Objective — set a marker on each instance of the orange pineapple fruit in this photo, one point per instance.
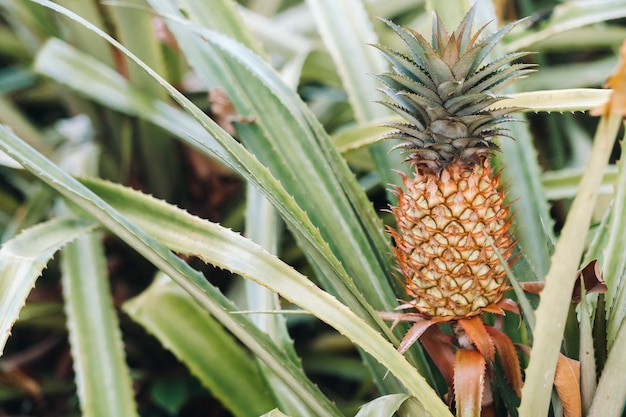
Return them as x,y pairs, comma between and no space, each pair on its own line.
451,213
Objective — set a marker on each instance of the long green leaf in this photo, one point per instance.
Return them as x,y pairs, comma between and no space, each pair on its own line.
84,39
569,100
338,229
588,368
610,397
564,182
222,16
295,147
347,32
615,259
199,341
226,249
190,235
556,296
94,80
234,155
94,333
571,15
263,227
134,28
68,66
95,338
24,257
209,297
290,141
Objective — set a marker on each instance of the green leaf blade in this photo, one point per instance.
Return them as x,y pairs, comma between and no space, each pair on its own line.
198,340
24,257
94,332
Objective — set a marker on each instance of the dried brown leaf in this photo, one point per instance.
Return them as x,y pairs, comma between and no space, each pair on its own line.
24,382
592,279
533,287
591,275
509,305
567,384
223,111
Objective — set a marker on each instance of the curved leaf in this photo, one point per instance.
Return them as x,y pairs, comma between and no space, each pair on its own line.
94,333
567,385
191,280
190,235
385,406
569,16
24,257
556,296
347,33
508,359
226,248
570,100
610,396
197,340
477,332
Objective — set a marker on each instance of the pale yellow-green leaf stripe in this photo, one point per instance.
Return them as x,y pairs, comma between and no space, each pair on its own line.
570,100
24,257
191,280
610,395
615,257
202,344
103,379
275,413
227,249
556,296
190,235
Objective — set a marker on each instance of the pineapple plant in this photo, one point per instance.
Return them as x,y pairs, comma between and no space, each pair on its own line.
451,213
453,220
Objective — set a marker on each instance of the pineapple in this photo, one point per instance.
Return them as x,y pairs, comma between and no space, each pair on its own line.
451,213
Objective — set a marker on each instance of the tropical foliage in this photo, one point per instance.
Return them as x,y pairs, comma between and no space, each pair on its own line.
193,212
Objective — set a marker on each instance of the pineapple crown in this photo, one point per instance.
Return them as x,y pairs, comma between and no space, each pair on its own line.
445,93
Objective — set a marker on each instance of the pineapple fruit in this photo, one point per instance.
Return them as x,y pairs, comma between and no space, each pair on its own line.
451,213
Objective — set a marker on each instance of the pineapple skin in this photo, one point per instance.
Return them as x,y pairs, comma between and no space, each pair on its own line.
449,222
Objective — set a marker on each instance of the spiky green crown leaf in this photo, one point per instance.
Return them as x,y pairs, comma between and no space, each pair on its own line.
443,91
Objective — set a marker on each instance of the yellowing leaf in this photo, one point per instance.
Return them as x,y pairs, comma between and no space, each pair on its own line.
567,384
